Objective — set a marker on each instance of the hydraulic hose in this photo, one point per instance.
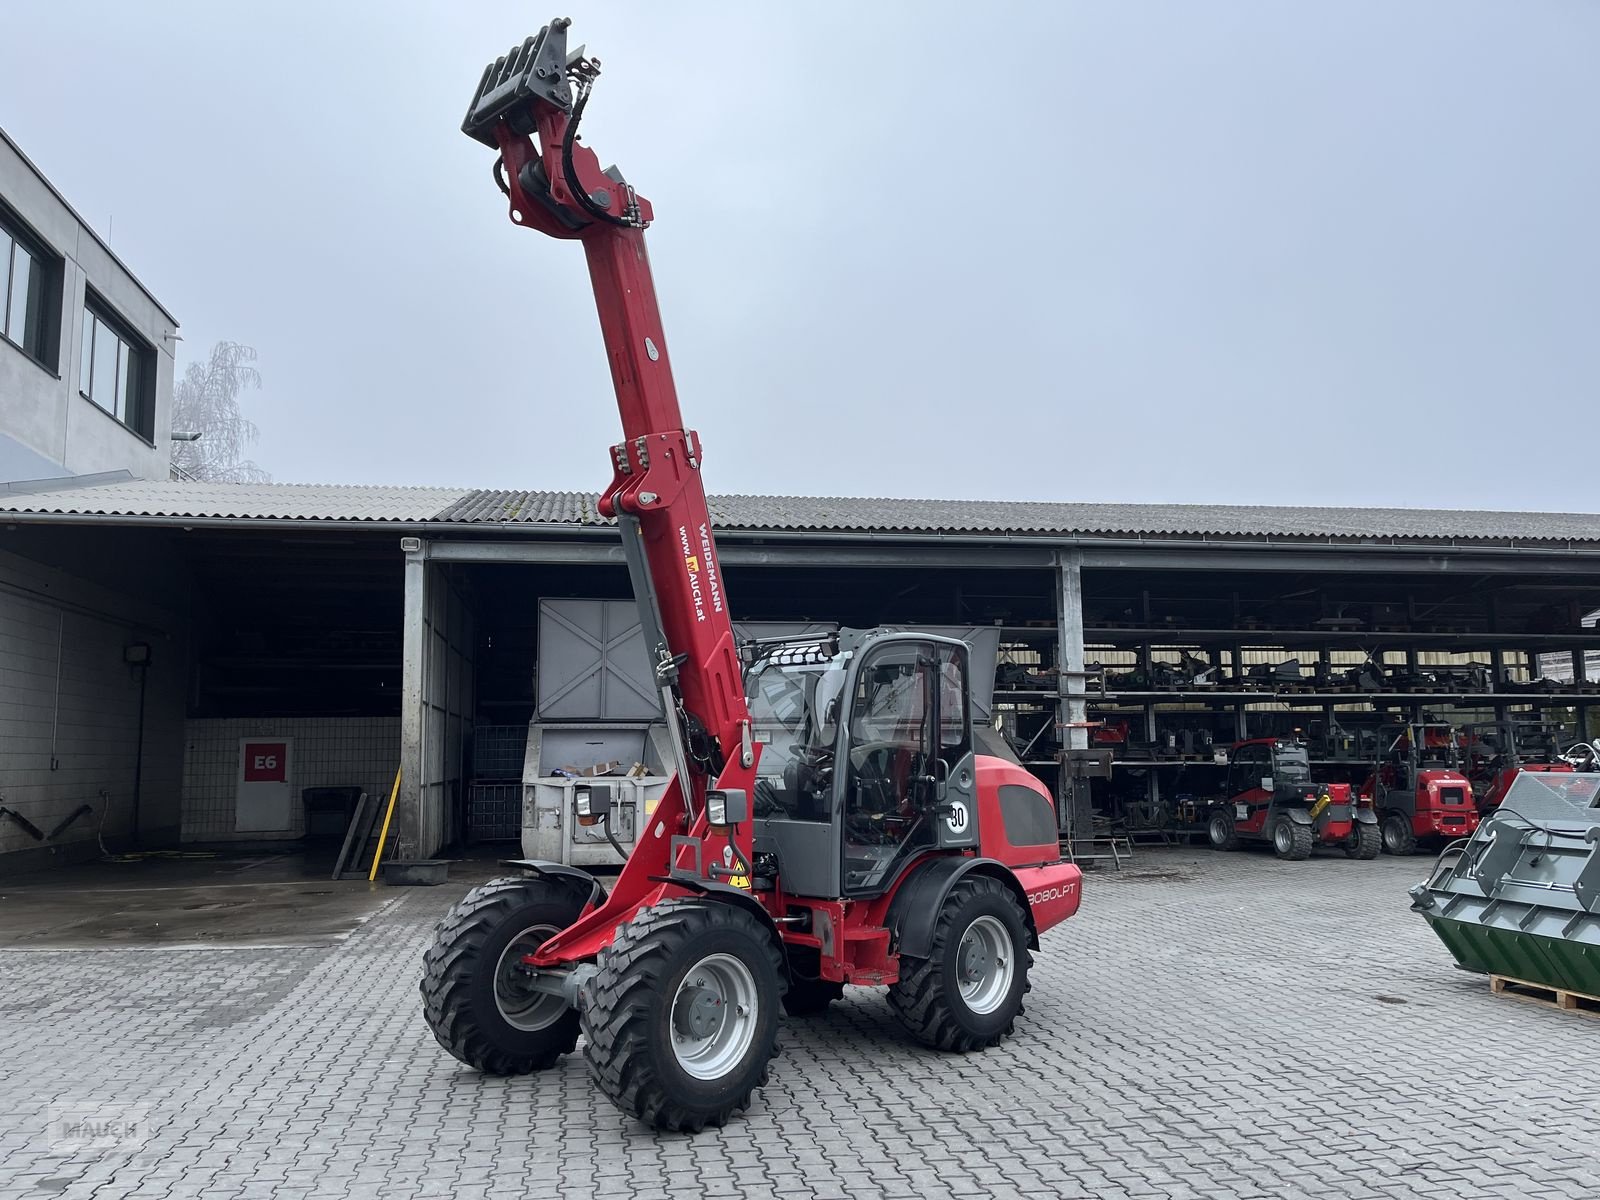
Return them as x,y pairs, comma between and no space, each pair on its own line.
570,172
605,826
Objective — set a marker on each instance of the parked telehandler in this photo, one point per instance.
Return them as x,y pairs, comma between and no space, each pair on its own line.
1271,795
859,839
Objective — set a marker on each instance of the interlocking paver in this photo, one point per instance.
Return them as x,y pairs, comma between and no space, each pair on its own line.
1209,1026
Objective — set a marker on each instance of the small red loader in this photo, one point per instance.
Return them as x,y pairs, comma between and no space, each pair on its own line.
1417,788
830,820
1273,797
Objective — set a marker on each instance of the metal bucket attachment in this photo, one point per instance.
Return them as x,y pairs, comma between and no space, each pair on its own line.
1522,897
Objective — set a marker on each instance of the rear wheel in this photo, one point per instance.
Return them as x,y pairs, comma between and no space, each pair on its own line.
1398,836
1291,841
476,997
967,993
1221,830
1365,841
681,1016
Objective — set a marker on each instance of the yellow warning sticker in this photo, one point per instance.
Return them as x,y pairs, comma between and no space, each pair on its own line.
740,881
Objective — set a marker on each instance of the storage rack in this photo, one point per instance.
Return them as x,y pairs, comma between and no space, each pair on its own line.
1234,709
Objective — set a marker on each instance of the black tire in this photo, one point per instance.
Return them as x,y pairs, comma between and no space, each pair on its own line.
1221,830
808,997
471,954
1366,842
1293,845
927,997
633,1012
1398,836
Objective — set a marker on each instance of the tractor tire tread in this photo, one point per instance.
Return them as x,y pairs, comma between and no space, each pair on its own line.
447,967
1406,841
1301,841
918,997
615,1010
1368,842
1231,842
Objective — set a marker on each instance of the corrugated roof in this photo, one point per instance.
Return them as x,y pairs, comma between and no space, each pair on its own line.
258,501
808,514
847,514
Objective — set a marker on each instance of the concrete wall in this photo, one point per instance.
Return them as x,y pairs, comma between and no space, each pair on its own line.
436,706
40,406
69,704
328,752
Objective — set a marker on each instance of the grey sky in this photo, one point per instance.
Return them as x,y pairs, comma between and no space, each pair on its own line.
1262,252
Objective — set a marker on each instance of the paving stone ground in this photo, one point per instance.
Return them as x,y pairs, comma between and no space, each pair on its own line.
1211,1025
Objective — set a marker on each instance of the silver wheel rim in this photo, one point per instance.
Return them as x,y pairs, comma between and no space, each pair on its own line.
714,1015
521,1005
985,964
1391,835
1283,837
1219,831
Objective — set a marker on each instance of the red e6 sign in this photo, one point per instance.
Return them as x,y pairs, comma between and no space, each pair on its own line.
266,762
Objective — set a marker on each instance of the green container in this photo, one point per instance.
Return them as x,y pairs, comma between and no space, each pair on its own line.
1522,897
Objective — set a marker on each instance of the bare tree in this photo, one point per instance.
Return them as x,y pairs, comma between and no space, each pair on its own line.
206,401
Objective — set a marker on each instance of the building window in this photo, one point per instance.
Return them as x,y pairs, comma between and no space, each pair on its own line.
28,283
116,369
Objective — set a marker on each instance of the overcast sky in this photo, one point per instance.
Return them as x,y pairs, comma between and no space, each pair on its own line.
1267,252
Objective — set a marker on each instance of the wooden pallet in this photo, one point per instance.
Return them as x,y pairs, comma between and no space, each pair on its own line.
1547,997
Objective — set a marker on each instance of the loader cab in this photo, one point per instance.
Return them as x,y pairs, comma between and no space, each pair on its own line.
1266,765
866,761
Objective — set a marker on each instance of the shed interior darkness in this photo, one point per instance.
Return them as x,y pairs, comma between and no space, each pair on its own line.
308,623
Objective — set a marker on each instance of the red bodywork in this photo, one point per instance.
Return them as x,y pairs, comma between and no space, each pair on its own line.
656,478
1442,806
1330,805
1491,786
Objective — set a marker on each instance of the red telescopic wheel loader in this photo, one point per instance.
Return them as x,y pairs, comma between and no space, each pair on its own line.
832,825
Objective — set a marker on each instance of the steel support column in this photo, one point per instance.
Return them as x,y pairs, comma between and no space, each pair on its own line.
406,831
1076,810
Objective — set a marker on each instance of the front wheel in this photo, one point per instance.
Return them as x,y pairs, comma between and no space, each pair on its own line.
1365,842
476,996
681,1016
967,993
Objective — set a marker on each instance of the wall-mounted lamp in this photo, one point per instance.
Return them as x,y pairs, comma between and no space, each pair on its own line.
187,435
136,654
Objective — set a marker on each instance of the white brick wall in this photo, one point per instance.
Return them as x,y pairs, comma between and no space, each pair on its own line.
328,752
69,709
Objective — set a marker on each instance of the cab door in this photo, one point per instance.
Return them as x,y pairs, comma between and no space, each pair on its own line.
908,777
